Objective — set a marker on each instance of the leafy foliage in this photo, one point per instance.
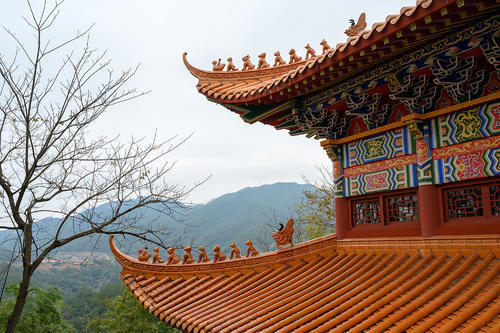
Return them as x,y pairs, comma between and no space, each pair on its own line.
125,315
89,304
42,311
316,213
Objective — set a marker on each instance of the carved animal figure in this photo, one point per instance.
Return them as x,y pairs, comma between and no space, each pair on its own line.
247,64
262,61
188,258
310,53
230,66
283,236
355,29
325,45
156,257
203,255
218,66
251,251
144,255
218,255
172,257
278,60
234,251
293,57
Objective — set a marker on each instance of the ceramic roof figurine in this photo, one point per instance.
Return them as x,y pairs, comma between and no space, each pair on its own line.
355,29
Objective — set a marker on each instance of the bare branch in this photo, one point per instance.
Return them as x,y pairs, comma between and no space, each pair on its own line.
51,165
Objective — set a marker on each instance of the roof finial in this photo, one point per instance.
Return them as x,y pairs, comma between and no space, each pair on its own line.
278,60
203,255
218,255
355,29
251,251
156,257
262,61
325,45
234,252
247,64
188,258
144,255
310,51
172,257
230,65
217,66
294,57
283,236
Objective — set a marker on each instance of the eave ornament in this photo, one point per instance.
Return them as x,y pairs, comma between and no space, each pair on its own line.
283,236
235,252
203,257
144,255
247,64
278,60
172,257
355,29
156,257
188,258
218,255
251,250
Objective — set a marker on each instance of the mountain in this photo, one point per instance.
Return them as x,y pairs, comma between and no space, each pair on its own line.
231,217
244,214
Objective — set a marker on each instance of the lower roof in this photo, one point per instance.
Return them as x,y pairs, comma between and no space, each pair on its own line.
440,284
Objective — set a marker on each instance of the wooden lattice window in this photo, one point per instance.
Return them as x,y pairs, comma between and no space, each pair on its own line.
480,200
465,202
366,211
495,200
402,208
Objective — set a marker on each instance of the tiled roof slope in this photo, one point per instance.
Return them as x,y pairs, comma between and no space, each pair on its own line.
411,27
441,284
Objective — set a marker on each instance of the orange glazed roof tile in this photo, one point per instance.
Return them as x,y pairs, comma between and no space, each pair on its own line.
410,28
441,284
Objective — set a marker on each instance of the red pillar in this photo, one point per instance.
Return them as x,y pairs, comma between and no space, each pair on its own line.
341,216
429,210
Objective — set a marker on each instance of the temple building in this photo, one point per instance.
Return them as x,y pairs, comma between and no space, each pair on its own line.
409,114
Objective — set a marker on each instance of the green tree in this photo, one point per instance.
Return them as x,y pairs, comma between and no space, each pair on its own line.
125,315
89,304
42,311
315,213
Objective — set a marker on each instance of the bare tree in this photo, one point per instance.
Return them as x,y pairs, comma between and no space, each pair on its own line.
49,163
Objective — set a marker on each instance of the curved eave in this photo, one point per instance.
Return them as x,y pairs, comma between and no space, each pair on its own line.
256,74
443,284
313,247
274,84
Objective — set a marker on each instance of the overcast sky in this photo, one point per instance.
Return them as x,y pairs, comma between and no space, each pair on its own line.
155,33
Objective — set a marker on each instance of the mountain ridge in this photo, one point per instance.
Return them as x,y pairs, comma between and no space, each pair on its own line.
231,217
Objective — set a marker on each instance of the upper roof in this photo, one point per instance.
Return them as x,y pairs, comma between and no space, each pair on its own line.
410,27
404,284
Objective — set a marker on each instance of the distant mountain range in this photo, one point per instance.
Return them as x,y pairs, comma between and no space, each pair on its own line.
231,217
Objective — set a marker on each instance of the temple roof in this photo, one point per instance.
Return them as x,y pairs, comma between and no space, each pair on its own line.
403,284
411,27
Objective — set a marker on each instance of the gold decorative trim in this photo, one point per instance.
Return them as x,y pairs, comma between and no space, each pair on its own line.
380,165
466,147
415,116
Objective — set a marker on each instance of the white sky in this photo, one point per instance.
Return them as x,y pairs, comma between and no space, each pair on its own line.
155,33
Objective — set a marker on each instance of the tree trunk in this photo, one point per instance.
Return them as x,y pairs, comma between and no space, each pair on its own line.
20,301
25,282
